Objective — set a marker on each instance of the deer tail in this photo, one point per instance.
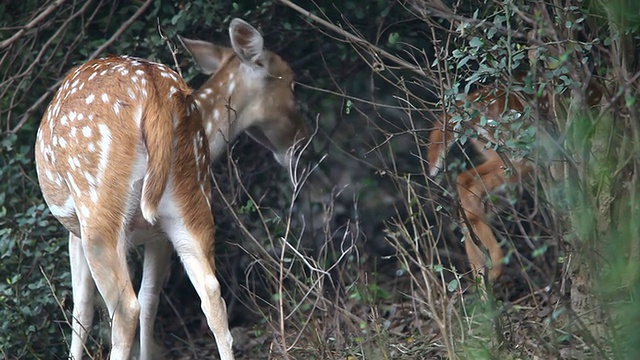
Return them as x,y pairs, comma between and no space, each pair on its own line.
158,134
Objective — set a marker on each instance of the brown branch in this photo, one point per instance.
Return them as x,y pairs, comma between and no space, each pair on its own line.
31,24
364,43
99,50
121,30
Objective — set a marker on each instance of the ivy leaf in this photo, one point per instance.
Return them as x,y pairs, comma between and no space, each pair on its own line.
394,37
476,42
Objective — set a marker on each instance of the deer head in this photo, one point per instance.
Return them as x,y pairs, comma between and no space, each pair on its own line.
251,89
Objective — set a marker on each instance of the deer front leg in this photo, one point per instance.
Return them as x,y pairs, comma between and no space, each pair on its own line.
157,257
473,185
84,292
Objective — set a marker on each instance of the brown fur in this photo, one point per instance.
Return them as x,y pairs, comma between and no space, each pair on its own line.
125,138
476,183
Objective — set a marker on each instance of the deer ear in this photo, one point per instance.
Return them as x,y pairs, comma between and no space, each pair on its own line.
207,55
246,42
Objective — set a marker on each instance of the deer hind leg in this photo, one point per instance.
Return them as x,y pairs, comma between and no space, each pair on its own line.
193,252
157,256
111,275
192,237
473,185
83,297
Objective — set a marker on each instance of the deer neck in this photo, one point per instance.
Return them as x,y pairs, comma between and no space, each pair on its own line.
222,101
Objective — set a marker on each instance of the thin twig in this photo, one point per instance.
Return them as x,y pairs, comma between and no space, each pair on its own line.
95,54
121,30
358,40
43,15
172,49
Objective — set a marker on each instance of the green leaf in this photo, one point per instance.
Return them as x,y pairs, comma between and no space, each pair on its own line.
453,285
393,39
476,42
630,100
464,61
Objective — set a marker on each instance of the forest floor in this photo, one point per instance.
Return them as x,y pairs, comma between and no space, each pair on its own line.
527,326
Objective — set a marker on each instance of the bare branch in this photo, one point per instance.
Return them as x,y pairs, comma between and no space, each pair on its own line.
93,55
121,30
375,50
43,15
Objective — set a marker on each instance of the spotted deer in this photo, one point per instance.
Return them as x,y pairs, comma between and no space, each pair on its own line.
123,154
481,111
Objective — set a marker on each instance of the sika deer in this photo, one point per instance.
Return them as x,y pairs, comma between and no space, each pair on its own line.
123,155
473,185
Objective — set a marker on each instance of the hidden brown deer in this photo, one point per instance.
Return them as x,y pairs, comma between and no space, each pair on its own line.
481,112
123,154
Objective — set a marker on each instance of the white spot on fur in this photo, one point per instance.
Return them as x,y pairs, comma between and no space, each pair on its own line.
105,97
65,210
85,211
90,179
72,182
105,148
93,194
89,99
86,131
195,153
137,116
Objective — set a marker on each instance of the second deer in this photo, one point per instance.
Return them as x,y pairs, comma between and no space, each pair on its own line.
497,107
123,154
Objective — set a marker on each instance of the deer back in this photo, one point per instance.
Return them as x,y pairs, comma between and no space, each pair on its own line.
110,134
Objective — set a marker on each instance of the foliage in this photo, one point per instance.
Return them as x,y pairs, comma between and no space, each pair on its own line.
30,252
